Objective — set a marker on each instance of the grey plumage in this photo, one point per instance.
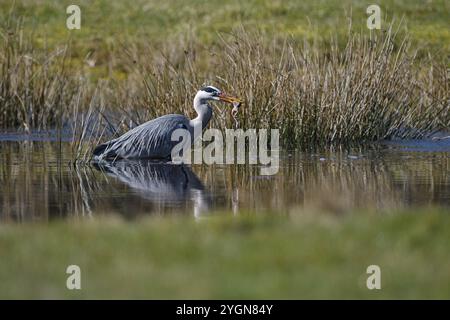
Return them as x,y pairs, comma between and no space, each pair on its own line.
151,139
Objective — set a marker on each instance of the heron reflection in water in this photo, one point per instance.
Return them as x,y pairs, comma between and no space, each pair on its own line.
164,183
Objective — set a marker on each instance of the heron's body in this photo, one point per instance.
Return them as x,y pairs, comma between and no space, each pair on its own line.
153,139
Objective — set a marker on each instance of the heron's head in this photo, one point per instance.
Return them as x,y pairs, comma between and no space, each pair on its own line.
212,93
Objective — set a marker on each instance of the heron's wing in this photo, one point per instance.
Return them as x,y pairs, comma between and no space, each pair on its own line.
149,140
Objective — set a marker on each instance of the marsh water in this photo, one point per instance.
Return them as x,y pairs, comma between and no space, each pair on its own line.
40,182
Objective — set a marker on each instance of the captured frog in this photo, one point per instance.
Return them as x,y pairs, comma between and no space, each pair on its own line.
234,112
235,109
236,102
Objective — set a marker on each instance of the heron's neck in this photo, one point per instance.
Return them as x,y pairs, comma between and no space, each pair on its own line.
204,113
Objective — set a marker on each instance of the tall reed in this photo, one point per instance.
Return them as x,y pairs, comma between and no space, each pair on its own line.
36,86
370,88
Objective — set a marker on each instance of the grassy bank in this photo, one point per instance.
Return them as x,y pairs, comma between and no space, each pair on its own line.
104,22
300,255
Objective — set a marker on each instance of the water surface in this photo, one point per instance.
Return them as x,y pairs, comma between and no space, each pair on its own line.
40,182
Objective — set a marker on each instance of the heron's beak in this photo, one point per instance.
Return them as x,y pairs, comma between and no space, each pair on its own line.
229,99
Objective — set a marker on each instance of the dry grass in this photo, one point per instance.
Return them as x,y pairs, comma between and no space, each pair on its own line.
32,84
372,88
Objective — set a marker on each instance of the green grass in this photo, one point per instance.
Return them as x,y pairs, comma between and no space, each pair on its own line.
105,20
106,24
302,255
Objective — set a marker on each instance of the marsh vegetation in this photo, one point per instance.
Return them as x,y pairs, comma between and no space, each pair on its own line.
358,87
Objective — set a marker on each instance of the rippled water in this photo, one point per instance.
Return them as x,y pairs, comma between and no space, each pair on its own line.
39,182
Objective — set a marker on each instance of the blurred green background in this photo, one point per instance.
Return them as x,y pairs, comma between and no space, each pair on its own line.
105,24
303,254
106,21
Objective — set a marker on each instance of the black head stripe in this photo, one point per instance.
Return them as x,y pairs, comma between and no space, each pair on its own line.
210,90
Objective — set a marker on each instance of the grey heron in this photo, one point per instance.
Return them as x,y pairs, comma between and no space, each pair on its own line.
152,139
